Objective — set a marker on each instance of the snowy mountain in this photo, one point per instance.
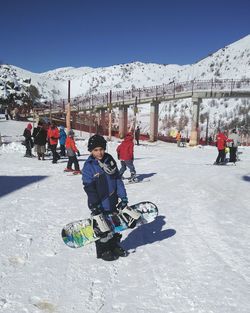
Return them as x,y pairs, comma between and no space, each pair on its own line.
230,62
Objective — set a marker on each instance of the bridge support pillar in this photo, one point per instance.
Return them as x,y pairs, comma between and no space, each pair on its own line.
123,121
195,133
101,122
154,116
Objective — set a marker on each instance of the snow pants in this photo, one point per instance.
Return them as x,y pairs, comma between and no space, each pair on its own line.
130,165
221,156
233,151
73,159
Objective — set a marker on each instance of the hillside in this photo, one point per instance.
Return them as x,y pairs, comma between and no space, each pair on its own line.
230,62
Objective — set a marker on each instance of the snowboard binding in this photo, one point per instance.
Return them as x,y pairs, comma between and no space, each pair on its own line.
129,216
100,225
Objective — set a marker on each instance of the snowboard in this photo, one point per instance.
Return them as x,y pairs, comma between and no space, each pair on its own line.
83,232
137,179
131,182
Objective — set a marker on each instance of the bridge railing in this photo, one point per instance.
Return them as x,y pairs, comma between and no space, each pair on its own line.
155,92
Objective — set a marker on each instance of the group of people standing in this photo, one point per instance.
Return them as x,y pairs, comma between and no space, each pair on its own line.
46,137
223,141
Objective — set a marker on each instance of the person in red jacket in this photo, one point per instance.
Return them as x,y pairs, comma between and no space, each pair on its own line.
125,153
53,136
71,152
221,140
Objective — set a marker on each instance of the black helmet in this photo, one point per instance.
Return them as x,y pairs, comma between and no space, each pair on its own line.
96,141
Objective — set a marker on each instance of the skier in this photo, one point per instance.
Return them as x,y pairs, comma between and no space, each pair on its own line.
104,187
178,138
62,141
125,153
40,138
6,114
233,143
53,136
221,140
71,152
28,141
137,135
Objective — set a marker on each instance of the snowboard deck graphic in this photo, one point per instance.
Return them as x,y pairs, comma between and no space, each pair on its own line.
82,232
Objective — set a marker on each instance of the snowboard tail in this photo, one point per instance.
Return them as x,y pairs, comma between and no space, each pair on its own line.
83,232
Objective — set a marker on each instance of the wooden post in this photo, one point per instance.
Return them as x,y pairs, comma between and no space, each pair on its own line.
123,121
207,128
110,116
154,116
133,125
68,109
195,134
50,115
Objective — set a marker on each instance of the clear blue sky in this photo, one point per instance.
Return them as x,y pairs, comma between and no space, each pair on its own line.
40,35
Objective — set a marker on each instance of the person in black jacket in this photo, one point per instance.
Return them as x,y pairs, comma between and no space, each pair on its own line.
137,135
28,141
40,138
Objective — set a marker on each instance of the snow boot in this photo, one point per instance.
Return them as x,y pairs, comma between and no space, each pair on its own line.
115,246
103,250
77,172
109,256
120,252
132,178
68,170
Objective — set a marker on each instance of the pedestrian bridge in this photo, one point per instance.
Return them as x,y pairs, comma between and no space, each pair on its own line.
195,89
203,89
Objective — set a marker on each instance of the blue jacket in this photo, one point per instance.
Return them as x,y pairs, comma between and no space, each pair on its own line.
62,136
102,188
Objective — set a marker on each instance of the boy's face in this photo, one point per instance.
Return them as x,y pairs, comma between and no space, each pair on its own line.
98,153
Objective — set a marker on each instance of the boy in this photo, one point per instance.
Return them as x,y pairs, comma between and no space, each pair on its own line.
104,187
125,153
28,141
221,140
53,136
62,140
71,152
40,138
234,141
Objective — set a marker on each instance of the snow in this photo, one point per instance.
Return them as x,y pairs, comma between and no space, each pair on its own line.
193,258
230,62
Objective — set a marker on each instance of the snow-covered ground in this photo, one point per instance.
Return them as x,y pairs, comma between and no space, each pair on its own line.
193,258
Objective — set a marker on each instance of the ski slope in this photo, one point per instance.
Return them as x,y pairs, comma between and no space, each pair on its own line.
193,258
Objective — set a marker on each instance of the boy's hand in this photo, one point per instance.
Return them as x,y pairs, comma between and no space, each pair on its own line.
96,209
123,203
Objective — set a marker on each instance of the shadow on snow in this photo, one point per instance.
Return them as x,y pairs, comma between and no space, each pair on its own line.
12,183
144,176
246,178
147,234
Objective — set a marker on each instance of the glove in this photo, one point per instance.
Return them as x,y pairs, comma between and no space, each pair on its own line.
78,153
96,209
123,203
